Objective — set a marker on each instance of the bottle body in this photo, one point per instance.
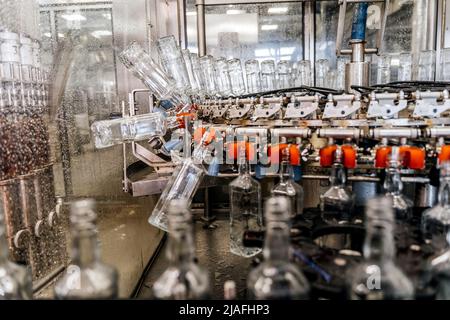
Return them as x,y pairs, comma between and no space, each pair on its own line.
276,278
183,279
245,213
86,277
108,133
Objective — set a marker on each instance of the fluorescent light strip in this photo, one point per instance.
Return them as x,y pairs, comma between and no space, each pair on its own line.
269,27
277,10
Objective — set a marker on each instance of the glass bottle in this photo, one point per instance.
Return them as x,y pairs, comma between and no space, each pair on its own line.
87,277
236,77
253,76
405,67
276,278
198,73
108,133
322,69
245,202
393,186
303,73
378,278
195,86
15,280
173,62
384,69
338,200
287,187
222,77
184,278
138,61
436,221
268,79
207,66
426,68
284,74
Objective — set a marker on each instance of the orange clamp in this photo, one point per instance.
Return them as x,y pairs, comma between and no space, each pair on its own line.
275,153
234,147
327,156
199,135
413,157
444,155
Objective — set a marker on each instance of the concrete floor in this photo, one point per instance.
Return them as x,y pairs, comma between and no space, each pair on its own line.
213,253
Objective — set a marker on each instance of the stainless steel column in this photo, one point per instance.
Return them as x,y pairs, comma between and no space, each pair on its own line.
201,27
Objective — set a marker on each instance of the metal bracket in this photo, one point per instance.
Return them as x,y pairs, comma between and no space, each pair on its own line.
219,111
239,111
266,111
302,107
427,104
382,105
346,105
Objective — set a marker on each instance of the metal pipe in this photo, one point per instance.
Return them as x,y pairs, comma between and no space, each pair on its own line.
395,133
438,132
291,132
201,27
340,133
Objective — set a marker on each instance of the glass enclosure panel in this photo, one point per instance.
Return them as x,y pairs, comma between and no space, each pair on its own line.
250,31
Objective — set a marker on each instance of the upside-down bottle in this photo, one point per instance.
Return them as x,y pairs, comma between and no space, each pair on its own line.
87,277
276,278
338,200
287,187
245,202
15,280
393,186
184,279
436,221
378,278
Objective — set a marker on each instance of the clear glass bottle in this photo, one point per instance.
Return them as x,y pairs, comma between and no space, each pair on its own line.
245,202
284,74
207,67
268,79
173,62
405,67
87,277
304,73
15,280
138,61
426,67
287,187
378,278
193,81
393,186
198,73
322,69
276,278
236,77
108,133
338,200
384,69
184,279
253,76
436,221
222,77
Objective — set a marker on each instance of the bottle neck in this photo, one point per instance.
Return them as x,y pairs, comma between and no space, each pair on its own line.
244,167
181,247
84,247
277,242
379,243
444,192
338,176
4,248
286,171
393,183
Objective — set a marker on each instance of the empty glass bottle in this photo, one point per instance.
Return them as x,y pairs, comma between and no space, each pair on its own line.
141,64
393,186
108,133
405,67
322,69
436,221
236,77
384,69
253,76
222,77
378,278
173,62
287,187
276,278
198,73
245,202
284,74
304,73
338,201
15,280
87,277
426,68
184,278
195,86
268,79
207,67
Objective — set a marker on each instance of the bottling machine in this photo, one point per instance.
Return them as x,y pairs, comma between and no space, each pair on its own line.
224,131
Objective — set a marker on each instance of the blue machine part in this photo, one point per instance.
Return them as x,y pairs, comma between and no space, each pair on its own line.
359,21
214,166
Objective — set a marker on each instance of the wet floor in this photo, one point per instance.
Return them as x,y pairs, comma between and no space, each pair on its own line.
213,253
